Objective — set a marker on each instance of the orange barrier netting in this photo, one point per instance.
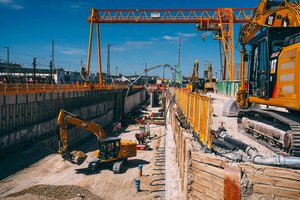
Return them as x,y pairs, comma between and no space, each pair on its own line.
40,88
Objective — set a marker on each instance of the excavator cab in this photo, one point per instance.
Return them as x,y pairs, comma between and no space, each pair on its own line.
109,148
263,66
201,84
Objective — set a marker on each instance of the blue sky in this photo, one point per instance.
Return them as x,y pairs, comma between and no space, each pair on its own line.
28,27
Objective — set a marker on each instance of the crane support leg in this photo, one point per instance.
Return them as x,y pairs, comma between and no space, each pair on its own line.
99,55
90,44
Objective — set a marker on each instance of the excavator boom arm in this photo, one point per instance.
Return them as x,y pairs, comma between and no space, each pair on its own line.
65,118
270,14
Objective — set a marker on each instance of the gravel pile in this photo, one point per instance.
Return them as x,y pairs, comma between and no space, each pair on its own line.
54,192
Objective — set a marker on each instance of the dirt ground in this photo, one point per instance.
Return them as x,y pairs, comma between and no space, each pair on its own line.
230,123
52,170
53,178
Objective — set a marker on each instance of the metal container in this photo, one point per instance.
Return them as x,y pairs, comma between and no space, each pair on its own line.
228,88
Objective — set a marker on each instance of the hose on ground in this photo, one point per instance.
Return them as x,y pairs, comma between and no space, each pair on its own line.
279,161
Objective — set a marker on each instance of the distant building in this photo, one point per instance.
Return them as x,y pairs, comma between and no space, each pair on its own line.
15,73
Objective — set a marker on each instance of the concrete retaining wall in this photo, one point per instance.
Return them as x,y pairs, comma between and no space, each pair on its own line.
133,101
28,119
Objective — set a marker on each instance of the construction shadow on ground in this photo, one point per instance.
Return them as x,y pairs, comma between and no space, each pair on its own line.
15,161
155,137
132,163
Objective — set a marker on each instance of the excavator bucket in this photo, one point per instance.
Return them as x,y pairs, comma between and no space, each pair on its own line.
76,157
230,108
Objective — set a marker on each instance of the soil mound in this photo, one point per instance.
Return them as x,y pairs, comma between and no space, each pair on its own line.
54,192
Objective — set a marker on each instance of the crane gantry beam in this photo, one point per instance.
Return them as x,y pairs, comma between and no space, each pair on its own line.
219,19
240,15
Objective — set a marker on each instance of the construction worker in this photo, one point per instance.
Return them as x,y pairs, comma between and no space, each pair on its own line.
111,150
140,137
117,127
151,116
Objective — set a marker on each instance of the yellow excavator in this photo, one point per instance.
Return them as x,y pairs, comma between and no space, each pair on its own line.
273,35
113,150
210,82
196,84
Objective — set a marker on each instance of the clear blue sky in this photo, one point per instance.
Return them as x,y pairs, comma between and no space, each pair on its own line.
28,26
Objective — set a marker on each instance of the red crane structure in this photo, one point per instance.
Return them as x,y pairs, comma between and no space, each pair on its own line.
220,20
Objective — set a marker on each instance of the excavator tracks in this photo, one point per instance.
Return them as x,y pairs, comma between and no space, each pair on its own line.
277,150
296,140
117,166
279,130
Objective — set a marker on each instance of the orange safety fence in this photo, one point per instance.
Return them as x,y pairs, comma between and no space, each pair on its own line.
41,88
198,110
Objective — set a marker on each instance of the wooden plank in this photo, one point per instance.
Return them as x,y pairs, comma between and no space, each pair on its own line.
207,192
271,171
209,184
208,159
198,195
185,183
212,178
274,181
277,191
208,168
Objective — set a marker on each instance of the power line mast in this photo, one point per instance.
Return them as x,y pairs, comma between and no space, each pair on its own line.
52,62
34,70
7,64
50,65
163,74
177,76
108,63
146,74
7,54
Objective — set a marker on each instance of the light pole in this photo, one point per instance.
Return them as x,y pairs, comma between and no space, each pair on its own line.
7,63
163,74
177,77
7,54
146,74
52,66
108,62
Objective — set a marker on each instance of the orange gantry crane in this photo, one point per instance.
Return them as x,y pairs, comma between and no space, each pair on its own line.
219,19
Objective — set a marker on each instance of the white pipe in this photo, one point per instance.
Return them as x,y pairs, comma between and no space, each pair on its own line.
293,162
